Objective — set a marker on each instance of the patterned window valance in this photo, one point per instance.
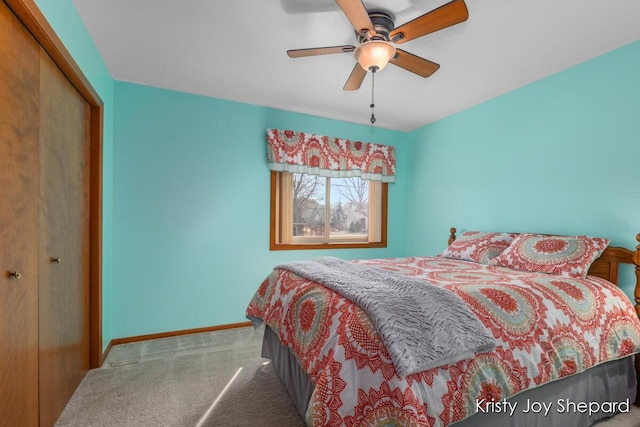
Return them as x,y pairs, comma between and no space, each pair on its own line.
291,151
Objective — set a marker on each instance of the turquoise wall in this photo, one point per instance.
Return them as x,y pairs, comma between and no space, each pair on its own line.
64,18
191,206
186,189
558,156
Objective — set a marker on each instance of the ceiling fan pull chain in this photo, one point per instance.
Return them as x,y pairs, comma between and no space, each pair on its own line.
373,117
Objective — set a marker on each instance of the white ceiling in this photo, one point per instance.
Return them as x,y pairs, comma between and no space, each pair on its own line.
236,50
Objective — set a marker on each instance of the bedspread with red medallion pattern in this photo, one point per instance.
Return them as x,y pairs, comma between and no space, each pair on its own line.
546,327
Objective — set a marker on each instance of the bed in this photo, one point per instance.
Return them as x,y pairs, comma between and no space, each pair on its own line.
562,352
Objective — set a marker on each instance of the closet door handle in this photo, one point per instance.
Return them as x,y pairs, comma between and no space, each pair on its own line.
15,274
57,260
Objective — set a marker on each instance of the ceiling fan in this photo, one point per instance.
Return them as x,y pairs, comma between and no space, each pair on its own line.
377,36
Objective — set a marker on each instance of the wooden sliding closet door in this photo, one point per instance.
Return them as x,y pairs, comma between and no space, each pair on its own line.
64,239
18,223
50,220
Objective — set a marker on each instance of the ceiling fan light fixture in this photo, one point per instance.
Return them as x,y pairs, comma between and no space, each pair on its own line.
374,55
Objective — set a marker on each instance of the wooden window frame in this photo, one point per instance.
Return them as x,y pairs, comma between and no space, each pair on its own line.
275,245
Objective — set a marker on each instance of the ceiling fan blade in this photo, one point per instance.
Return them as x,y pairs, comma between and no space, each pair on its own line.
355,78
413,63
357,15
445,16
315,51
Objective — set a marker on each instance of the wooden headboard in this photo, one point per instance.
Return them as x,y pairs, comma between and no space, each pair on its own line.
607,266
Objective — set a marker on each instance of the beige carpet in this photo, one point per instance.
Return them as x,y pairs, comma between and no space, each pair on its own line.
209,379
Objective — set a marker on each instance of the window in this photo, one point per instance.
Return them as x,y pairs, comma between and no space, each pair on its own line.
327,192
313,212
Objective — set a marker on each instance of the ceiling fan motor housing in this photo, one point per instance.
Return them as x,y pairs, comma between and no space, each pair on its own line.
383,24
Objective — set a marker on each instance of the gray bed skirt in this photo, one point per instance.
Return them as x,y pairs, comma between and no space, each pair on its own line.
612,382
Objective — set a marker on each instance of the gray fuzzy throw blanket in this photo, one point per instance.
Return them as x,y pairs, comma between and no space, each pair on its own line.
422,325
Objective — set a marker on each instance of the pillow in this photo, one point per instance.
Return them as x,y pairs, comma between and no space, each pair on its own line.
478,246
558,255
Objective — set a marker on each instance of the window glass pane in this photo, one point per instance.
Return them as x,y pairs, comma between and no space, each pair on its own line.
308,205
349,207
310,212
